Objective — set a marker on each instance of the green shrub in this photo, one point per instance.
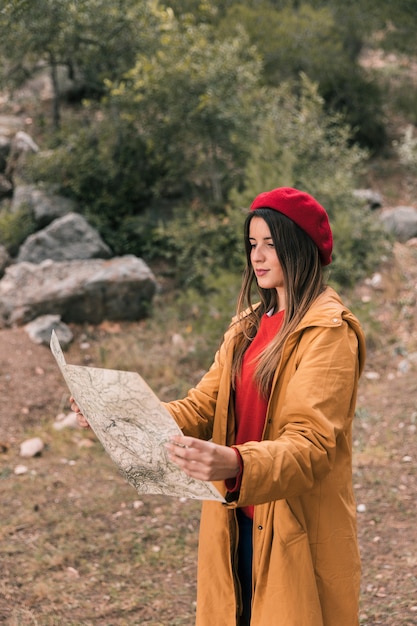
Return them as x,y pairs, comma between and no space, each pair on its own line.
197,246
322,42
106,168
360,99
360,243
403,99
15,228
406,149
113,174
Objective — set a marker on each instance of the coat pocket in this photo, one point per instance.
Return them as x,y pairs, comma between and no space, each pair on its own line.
287,527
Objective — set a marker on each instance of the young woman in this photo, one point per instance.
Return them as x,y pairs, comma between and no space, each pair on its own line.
271,424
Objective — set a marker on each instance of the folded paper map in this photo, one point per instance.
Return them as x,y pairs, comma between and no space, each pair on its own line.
133,426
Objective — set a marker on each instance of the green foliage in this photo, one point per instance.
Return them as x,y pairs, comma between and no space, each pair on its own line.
87,42
178,126
290,41
94,39
197,246
204,316
297,144
113,173
107,169
360,243
359,98
397,21
192,100
323,41
406,149
196,120
15,228
403,99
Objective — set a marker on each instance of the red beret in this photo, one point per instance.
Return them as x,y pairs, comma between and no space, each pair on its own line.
305,211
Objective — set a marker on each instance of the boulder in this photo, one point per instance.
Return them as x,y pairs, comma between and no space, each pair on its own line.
40,330
370,197
66,238
31,447
21,144
400,222
78,291
45,206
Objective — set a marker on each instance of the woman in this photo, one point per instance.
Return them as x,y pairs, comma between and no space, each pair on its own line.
271,424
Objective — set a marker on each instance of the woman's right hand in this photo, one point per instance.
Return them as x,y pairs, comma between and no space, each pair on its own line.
80,417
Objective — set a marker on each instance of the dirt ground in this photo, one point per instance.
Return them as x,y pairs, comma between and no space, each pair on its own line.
77,546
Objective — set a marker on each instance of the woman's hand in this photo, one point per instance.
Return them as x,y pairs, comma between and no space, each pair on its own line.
203,460
80,417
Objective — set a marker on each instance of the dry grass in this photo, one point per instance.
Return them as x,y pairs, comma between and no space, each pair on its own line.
80,547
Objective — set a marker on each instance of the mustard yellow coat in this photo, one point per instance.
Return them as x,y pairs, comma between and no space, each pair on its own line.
306,564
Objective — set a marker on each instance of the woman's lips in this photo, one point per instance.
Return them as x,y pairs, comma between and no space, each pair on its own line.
261,272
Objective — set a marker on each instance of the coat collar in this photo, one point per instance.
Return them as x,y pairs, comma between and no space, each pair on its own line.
328,311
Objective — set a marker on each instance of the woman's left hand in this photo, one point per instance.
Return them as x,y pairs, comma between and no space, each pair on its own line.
203,460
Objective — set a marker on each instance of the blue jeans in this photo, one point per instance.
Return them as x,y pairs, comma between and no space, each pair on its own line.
245,550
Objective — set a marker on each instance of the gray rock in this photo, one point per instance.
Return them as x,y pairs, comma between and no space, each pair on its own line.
45,206
93,290
23,142
40,330
372,198
400,222
66,238
31,447
21,145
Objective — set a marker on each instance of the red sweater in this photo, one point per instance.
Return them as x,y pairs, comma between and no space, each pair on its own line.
250,405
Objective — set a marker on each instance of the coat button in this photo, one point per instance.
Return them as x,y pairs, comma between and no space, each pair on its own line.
260,527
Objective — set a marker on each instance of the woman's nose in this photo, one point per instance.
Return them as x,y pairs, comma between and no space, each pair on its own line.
257,254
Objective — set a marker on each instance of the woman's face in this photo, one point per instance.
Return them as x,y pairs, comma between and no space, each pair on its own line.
264,258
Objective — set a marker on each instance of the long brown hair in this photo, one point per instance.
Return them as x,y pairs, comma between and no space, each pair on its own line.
303,278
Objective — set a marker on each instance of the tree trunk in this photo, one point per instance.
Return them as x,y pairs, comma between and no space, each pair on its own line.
56,112
214,175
